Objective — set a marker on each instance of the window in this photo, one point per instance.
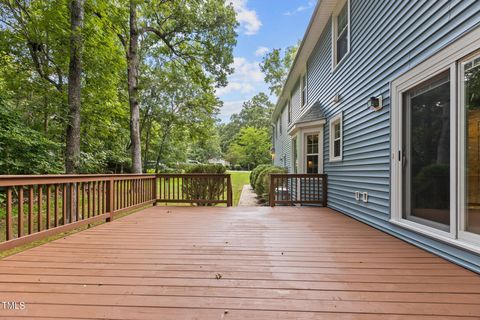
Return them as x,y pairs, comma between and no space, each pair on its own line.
312,153
341,33
289,106
304,90
336,138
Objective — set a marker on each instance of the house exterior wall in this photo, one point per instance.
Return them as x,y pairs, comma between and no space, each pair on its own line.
387,39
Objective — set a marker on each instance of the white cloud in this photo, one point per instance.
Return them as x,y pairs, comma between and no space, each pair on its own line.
306,6
231,107
261,51
235,87
245,79
248,19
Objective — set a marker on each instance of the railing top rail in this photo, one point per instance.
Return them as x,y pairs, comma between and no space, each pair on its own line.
26,180
36,176
298,175
19,180
193,174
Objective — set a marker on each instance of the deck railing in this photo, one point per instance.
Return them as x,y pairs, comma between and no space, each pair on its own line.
198,188
291,189
35,207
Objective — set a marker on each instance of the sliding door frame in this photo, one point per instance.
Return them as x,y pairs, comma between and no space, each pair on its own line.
447,59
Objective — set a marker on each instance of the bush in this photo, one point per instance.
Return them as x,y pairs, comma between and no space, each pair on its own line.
262,183
255,172
431,187
208,189
205,168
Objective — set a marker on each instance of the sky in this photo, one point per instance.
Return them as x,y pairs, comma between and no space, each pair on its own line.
264,24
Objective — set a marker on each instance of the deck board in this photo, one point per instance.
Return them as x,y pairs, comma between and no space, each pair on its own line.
281,263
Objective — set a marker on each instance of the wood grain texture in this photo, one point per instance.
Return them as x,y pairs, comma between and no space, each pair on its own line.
236,263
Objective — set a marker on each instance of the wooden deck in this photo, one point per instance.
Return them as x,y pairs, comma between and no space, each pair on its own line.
235,263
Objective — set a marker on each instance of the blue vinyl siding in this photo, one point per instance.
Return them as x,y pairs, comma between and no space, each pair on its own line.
388,38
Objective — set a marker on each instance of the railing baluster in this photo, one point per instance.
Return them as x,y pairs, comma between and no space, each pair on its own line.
40,207
47,199
64,204
20,212
55,209
71,189
94,198
9,226
30,209
77,202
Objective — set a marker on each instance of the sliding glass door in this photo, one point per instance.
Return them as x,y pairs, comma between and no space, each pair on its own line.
426,152
470,144
436,145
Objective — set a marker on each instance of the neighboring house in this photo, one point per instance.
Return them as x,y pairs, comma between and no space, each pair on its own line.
223,162
384,98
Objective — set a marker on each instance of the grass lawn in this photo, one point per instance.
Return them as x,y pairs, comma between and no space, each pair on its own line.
239,179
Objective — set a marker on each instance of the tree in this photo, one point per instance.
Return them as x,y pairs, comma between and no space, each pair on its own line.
255,113
250,148
24,150
276,67
198,35
72,152
183,51
35,57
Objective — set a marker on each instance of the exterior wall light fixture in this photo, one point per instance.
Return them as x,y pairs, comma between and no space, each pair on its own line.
375,103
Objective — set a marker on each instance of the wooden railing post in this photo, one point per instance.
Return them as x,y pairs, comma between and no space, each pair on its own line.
155,191
110,199
229,191
271,194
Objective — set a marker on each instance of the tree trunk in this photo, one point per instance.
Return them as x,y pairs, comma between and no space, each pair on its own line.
147,144
72,153
160,148
443,147
132,64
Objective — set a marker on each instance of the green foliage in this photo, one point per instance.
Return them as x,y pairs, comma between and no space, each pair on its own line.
255,113
250,148
206,168
208,189
255,172
276,67
262,183
24,150
429,185
182,61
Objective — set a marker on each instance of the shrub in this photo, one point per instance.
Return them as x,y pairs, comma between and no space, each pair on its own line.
255,172
202,188
431,187
205,168
262,184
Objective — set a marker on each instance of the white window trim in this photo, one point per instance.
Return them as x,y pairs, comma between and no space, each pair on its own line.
446,59
339,7
336,119
294,149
